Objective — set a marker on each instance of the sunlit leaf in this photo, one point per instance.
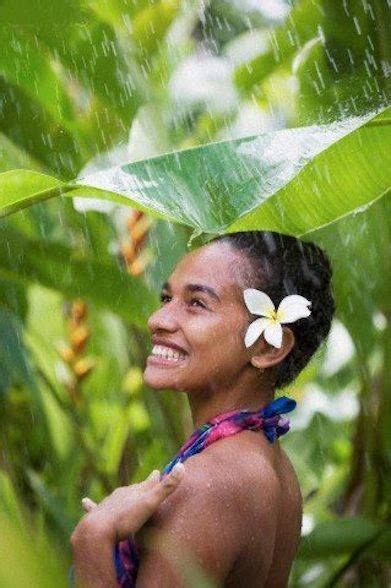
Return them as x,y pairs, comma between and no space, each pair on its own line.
21,186
150,24
293,181
334,49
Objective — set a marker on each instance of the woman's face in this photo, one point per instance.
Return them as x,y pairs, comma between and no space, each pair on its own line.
198,332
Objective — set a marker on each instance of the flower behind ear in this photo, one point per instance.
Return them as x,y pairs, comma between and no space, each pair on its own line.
293,308
258,302
290,309
255,330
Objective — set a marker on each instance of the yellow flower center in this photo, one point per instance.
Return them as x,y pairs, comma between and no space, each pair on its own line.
274,316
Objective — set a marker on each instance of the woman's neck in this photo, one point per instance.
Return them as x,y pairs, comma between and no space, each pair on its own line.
206,405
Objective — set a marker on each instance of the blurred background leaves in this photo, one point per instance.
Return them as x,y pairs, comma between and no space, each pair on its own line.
89,85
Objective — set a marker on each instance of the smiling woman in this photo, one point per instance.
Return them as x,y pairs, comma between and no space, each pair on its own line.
236,515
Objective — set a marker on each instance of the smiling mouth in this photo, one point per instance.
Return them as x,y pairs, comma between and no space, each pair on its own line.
165,356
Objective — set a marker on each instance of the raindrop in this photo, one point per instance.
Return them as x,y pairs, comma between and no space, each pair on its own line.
357,25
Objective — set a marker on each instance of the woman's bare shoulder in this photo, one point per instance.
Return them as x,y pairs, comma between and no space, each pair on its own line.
239,475
244,458
199,522
254,474
228,490
265,494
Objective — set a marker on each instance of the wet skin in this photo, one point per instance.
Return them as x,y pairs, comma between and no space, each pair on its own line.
218,373
209,324
237,511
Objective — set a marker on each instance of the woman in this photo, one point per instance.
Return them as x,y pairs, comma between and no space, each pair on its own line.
236,514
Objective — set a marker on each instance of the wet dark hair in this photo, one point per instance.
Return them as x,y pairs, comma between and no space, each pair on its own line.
283,265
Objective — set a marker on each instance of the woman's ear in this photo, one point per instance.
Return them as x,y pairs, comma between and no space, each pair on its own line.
267,356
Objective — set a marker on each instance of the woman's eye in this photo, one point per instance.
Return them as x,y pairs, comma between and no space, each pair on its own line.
164,298
197,302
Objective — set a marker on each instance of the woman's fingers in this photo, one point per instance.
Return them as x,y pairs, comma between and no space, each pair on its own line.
88,504
153,476
173,479
160,489
127,509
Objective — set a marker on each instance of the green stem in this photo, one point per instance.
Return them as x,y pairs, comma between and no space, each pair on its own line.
38,197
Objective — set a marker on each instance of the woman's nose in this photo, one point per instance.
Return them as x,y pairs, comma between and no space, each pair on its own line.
163,319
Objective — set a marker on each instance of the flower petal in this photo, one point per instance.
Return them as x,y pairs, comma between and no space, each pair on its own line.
273,334
258,302
292,308
255,330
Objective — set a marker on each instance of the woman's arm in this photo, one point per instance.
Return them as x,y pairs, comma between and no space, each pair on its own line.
195,533
116,518
214,524
93,557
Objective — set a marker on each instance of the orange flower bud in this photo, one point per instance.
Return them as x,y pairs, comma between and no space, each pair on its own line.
78,311
128,251
67,354
133,218
79,337
83,367
140,229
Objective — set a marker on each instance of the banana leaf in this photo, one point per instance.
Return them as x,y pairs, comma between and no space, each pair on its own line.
293,181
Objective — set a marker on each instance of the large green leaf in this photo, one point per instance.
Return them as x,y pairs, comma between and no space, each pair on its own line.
25,64
17,187
293,181
344,536
303,172
61,268
21,188
350,175
357,246
64,32
33,130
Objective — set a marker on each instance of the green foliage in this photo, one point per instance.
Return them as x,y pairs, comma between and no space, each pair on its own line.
292,181
75,275
87,86
41,565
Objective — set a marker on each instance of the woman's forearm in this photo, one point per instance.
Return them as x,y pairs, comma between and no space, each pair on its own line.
93,558
116,518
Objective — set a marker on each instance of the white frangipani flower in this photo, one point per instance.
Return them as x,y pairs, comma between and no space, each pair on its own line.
290,309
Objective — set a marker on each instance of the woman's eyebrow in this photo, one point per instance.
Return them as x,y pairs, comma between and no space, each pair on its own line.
196,288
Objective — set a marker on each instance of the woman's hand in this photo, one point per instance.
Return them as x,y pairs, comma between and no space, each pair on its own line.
126,510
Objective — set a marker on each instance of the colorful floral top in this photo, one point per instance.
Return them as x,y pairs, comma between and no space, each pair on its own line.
267,419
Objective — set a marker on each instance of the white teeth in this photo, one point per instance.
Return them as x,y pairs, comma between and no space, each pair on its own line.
167,352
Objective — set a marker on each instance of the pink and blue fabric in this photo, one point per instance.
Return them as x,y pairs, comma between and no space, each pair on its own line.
268,419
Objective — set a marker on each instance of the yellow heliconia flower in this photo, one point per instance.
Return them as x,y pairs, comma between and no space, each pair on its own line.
290,309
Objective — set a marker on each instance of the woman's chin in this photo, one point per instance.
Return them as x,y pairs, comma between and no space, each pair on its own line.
162,373
155,379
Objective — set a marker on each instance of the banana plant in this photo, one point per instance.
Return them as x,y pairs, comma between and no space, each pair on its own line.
292,181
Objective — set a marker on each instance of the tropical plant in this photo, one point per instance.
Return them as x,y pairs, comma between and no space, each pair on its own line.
95,96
